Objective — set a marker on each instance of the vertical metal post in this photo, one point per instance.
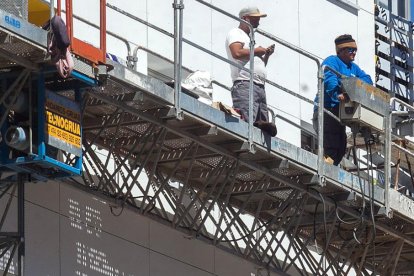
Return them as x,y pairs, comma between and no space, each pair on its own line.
251,68
69,23
103,28
178,39
59,7
387,165
20,222
392,60
78,99
321,107
388,131
390,26
30,117
41,147
52,8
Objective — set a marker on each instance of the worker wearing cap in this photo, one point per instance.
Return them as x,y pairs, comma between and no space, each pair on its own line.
334,140
238,51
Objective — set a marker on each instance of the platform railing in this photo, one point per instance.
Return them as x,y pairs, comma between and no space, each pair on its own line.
389,144
226,60
178,6
195,45
320,76
79,47
178,11
251,68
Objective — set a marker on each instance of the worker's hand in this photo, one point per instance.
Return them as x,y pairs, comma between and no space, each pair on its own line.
341,97
270,50
260,51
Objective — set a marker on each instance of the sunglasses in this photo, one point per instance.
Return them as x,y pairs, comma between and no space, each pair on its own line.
351,50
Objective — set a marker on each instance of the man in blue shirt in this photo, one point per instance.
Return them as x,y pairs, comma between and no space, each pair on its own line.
334,139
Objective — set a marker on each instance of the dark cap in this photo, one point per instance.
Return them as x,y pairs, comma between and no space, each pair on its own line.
345,41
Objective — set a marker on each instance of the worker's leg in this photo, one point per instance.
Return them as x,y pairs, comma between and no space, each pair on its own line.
260,99
334,137
240,97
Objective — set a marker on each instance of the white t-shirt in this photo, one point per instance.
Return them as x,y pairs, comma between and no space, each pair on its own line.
238,35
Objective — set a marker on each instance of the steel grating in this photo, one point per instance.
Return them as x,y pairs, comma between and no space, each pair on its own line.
17,49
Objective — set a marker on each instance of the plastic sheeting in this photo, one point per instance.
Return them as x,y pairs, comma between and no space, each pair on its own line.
199,82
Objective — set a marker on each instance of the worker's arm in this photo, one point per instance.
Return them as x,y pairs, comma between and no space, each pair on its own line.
331,82
332,85
238,52
362,75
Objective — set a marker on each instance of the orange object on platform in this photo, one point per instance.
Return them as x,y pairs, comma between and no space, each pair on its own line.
84,49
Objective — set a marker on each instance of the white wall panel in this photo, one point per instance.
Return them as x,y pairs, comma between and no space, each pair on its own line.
366,43
197,28
321,22
221,25
366,5
161,14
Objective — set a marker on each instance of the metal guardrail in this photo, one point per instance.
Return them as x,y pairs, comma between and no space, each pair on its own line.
388,145
84,49
321,108
251,69
178,5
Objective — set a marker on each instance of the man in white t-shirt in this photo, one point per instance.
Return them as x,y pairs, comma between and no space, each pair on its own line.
238,51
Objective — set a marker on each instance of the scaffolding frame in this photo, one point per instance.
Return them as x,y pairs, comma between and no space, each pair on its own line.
199,169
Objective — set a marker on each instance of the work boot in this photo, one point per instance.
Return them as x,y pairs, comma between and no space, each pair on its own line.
268,127
329,160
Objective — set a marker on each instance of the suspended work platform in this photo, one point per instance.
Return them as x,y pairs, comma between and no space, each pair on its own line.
198,174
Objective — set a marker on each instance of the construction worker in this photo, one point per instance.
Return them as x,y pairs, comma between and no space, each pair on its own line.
238,51
334,139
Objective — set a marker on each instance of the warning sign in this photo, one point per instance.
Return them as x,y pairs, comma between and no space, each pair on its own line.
62,123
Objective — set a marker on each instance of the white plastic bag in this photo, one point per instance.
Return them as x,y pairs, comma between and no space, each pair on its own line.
199,82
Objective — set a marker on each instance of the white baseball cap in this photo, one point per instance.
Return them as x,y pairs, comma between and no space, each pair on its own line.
251,11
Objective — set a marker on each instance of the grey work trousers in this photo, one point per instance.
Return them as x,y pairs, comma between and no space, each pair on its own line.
240,96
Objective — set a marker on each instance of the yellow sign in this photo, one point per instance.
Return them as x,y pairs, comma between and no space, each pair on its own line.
62,118
64,135
63,123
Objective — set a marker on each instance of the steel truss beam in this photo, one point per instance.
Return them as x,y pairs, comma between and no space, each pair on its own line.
258,208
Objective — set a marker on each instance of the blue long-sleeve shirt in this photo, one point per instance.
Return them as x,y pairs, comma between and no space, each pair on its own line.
332,82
